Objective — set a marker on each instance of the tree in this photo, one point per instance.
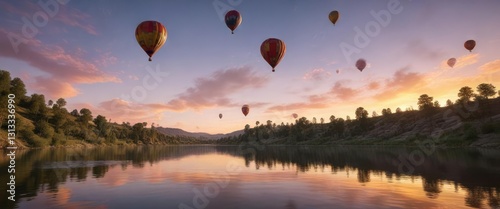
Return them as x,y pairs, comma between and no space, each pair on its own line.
85,116
361,113
436,104
321,120
75,113
499,93
37,107
18,88
449,103
486,90
101,125
465,93
61,102
374,114
425,102
50,103
314,120
332,118
398,110
384,112
4,91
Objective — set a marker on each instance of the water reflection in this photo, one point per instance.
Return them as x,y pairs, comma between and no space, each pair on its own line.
46,171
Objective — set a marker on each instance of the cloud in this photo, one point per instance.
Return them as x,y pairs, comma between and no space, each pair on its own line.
59,64
490,67
342,92
76,18
317,74
119,110
66,15
213,90
401,81
54,88
462,61
373,85
320,101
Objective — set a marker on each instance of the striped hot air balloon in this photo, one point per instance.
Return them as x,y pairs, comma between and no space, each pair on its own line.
272,51
151,35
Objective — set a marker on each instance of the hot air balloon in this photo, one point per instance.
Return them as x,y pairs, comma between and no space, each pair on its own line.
451,62
469,45
233,19
338,71
245,109
272,51
220,115
294,115
151,35
361,64
333,16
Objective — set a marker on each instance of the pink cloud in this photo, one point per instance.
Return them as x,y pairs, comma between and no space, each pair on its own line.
54,88
320,101
490,67
58,63
373,85
401,81
213,90
317,74
76,18
342,92
119,111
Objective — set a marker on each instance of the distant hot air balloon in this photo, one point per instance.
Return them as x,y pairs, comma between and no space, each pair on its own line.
151,35
233,20
338,71
245,109
294,115
220,115
333,16
451,62
272,51
361,64
469,45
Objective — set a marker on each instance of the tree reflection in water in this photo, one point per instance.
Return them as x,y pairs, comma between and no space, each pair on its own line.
475,171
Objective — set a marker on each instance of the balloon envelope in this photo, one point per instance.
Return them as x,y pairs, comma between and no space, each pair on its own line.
333,16
245,109
451,62
272,51
469,45
338,71
151,35
294,115
233,20
220,115
361,64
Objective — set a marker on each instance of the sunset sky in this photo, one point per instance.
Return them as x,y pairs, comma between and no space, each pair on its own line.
86,52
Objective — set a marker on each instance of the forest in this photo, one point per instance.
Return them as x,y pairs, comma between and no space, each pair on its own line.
472,120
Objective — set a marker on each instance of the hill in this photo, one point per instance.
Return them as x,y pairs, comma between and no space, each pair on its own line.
198,135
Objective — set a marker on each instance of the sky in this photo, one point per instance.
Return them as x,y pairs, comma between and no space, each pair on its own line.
86,53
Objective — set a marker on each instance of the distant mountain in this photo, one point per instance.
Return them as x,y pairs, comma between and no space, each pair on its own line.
199,135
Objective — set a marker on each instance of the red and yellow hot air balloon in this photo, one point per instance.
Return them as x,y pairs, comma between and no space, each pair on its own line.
294,115
245,109
451,62
469,45
361,64
233,20
151,35
272,51
334,16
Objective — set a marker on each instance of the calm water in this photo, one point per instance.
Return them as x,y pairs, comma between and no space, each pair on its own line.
279,177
